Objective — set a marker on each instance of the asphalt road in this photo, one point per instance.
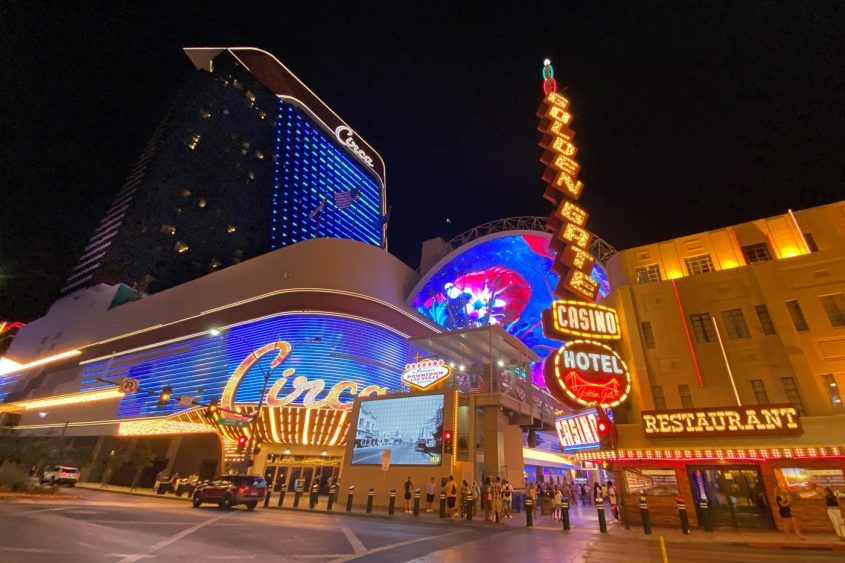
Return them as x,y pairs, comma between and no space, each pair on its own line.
120,528
402,454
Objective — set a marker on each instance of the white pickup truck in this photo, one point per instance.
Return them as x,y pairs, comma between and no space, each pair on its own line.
60,474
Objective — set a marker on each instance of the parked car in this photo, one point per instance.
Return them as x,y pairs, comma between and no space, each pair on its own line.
60,474
230,490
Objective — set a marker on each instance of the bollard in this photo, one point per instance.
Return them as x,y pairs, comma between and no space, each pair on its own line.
315,493
297,496
705,515
349,498
416,502
443,505
682,514
392,506
470,505
645,516
602,520
282,492
529,512
370,494
564,513
330,500
267,498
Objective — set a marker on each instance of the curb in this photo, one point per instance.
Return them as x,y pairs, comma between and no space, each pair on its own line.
141,495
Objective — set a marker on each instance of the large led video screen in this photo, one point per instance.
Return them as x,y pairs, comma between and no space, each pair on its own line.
505,280
410,427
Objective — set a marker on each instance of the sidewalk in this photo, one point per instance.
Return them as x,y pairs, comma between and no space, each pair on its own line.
583,520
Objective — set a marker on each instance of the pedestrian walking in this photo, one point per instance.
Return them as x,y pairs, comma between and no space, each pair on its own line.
496,493
465,492
409,487
598,498
557,500
476,497
834,512
451,496
507,499
485,495
584,497
611,496
784,501
430,488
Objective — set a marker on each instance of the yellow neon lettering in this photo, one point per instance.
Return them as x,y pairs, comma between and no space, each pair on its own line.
569,184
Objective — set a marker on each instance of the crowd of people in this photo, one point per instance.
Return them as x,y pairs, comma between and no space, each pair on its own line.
574,493
494,497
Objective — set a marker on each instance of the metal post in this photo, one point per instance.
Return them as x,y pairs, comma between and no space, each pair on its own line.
470,505
645,516
416,502
330,500
315,491
349,498
443,505
564,513
370,494
682,514
705,515
282,492
529,512
391,507
267,498
602,521
297,496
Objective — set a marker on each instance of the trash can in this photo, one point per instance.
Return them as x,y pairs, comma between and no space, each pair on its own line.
518,502
546,505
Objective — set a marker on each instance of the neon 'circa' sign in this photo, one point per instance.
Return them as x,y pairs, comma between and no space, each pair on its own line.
346,135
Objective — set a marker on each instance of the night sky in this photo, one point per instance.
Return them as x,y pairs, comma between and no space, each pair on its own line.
689,115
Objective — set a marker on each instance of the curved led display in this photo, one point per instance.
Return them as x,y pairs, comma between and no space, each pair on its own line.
506,279
325,348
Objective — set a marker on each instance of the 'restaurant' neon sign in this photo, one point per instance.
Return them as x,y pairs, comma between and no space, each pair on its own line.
302,387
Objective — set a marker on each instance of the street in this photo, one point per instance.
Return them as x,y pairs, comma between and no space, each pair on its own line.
111,527
405,453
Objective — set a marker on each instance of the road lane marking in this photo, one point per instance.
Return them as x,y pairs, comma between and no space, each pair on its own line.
137,522
37,510
395,545
29,550
356,544
174,538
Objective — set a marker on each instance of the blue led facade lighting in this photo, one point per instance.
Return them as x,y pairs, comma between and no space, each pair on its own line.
309,170
324,346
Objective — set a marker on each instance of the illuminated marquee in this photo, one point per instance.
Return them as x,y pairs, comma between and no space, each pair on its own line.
722,421
581,319
578,431
425,373
584,373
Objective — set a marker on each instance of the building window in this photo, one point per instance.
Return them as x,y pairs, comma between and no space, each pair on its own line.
215,263
833,391
648,335
647,274
797,316
765,320
811,242
792,394
180,247
760,391
168,229
202,202
699,264
205,114
756,253
659,398
735,324
231,229
195,140
834,307
702,327
686,398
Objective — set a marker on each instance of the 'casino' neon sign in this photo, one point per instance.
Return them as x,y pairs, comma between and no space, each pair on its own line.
581,319
302,387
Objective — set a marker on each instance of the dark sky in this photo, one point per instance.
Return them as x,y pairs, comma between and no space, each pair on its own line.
689,115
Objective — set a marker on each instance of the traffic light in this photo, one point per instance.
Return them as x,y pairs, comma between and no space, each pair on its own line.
242,440
164,396
605,429
447,441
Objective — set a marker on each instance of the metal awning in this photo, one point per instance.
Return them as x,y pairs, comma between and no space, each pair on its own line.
484,345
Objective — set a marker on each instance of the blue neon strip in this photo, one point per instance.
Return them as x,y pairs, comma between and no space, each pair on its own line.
324,347
310,168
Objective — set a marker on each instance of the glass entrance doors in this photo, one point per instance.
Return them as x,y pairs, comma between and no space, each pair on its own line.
302,471
736,495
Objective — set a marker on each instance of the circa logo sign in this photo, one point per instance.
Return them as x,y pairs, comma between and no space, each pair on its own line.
302,387
426,373
584,374
722,421
346,136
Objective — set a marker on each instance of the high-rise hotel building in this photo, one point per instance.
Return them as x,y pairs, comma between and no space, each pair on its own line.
247,159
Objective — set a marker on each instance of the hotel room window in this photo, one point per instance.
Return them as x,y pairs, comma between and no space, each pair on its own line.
647,274
648,335
797,316
760,393
834,308
765,319
659,397
735,324
686,397
756,253
792,394
702,327
699,264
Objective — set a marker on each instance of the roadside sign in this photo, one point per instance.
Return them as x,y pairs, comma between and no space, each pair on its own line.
385,459
186,400
128,385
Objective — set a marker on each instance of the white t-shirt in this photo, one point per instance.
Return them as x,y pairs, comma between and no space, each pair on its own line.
429,488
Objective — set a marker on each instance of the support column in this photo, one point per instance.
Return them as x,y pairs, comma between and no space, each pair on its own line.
494,441
172,452
95,453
